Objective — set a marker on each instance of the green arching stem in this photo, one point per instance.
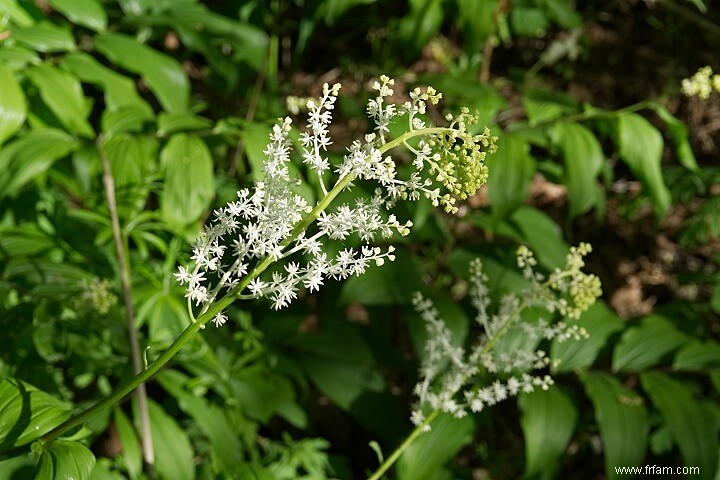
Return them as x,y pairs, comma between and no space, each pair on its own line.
218,306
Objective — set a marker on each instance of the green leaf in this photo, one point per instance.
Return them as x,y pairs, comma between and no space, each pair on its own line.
119,90
640,147
30,155
548,421
697,356
126,119
163,75
425,457
88,13
390,284
680,136
17,57
173,452
562,12
26,413
476,20
17,14
583,158
13,109
691,422
334,9
131,453
189,179
511,171
542,235
180,122
64,460
132,159
600,322
62,93
622,419
544,106
644,346
45,37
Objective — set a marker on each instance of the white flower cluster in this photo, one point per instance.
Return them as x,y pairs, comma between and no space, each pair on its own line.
270,226
454,380
701,84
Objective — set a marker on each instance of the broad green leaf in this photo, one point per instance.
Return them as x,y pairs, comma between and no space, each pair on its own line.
27,413
88,13
62,93
19,467
641,146
163,75
180,122
334,9
189,179
562,12
542,106
691,422
46,273
16,57
583,158
697,355
13,109
17,13
476,20
166,316
45,37
542,235
425,457
119,90
132,159
528,21
644,346
173,452
64,460
548,421
131,450
622,418
680,136
129,118
30,155
600,322
422,23
511,171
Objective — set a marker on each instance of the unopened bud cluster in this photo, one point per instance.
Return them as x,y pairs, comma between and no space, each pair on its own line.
455,380
270,221
701,84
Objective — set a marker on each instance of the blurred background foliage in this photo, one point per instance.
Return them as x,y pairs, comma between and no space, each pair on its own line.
596,144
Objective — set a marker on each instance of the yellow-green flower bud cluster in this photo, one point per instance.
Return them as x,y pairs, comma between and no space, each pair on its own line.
701,84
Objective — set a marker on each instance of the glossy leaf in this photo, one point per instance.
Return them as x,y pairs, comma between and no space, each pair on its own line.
13,109
17,57
64,460
622,418
644,346
163,75
548,421
511,171
583,158
62,93
697,356
17,14
129,118
26,413
45,37
88,13
131,450
189,179
119,90
600,322
426,456
691,422
641,146
30,155
173,452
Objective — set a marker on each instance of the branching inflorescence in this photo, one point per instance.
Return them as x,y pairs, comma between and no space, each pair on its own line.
455,381
270,224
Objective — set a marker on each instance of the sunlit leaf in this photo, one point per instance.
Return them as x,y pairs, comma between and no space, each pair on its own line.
173,451
13,109
64,460
45,37
88,13
644,346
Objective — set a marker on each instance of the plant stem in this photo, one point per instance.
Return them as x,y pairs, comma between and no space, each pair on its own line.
385,466
490,40
124,267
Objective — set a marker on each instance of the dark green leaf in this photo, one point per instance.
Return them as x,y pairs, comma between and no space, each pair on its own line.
643,346
600,322
543,106
426,456
88,13
13,109
691,422
548,421
622,419
583,159
562,12
189,180
30,155
45,37
62,93
173,452
131,453
64,460
641,146
680,136
26,413
163,75
132,159
697,356
511,171
542,235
